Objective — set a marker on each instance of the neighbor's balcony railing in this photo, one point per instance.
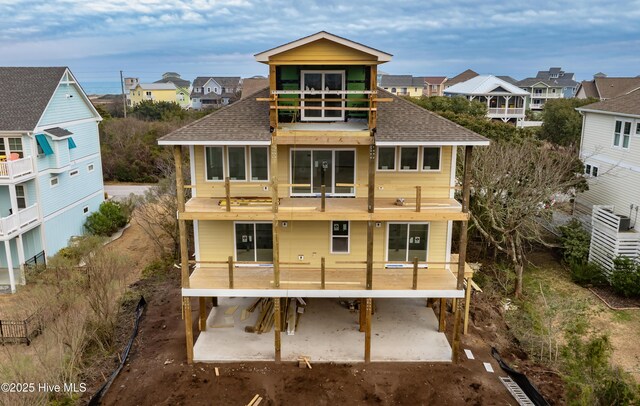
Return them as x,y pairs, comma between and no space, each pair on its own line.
546,95
14,222
11,170
502,111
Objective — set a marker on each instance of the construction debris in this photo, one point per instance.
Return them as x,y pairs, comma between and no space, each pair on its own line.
217,371
303,362
292,310
255,401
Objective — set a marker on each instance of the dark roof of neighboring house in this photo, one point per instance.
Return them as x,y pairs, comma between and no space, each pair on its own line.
176,81
228,81
252,85
398,121
395,80
628,103
245,120
564,79
508,79
26,92
435,80
404,121
608,88
462,77
589,87
58,132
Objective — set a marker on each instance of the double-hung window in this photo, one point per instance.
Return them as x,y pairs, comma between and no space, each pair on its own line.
236,166
386,158
408,158
339,237
214,163
21,197
259,163
622,134
323,86
431,158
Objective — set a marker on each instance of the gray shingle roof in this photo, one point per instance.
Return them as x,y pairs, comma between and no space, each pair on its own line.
176,81
508,79
245,120
403,121
252,85
248,120
396,80
26,93
58,132
626,104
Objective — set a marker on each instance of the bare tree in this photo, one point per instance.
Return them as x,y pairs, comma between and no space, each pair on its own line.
515,183
156,214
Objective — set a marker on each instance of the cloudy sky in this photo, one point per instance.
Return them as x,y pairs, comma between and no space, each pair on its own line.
98,38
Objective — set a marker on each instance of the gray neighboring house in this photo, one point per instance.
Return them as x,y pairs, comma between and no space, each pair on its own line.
548,85
214,91
402,85
174,77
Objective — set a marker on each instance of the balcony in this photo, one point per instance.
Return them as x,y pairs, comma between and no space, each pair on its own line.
313,279
407,204
505,112
17,170
11,225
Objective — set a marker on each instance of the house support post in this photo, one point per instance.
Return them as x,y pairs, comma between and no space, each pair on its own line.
277,317
467,304
188,327
367,332
274,207
12,277
21,258
462,256
370,209
202,306
362,310
443,315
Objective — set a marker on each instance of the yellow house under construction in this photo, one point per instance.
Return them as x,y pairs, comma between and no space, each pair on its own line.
323,186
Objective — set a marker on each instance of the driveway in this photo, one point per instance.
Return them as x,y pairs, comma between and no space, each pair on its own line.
119,191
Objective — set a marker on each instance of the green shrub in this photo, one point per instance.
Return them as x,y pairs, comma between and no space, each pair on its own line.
625,277
575,242
588,273
108,219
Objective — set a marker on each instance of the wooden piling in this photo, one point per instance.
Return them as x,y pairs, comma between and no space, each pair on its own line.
277,317
322,273
367,332
203,314
188,327
415,273
443,315
230,262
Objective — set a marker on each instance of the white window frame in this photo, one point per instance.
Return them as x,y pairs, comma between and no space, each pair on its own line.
73,173
228,170
90,167
637,132
395,160
348,237
322,92
85,210
620,144
597,171
268,164
386,244
206,168
421,158
399,161
333,172
51,182
22,195
255,256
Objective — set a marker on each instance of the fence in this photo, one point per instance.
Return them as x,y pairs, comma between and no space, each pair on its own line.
38,259
12,331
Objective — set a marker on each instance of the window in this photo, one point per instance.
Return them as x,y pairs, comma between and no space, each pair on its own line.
591,170
386,158
15,146
90,168
208,90
431,159
408,158
622,134
594,172
587,169
393,90
21,198
85,210
214,163
403,90
638,128
73,173
237,167
327,85
406,241
148,94
259,163
339,237
53,181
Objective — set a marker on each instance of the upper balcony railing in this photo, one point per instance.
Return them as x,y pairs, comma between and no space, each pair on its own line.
504,111
13,223
546,95
16,169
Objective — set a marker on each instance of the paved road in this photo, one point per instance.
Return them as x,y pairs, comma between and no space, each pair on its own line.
121,191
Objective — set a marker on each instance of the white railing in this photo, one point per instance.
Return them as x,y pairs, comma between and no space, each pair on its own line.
546,95
608,241
505,112
14,222
16,169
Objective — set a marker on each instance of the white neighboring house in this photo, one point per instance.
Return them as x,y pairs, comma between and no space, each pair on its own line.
610,149
504,101
214,91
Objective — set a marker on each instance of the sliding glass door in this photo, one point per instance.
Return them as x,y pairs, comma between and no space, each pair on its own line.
254,242
310,169
407,241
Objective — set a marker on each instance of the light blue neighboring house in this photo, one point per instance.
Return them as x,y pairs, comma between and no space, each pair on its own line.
50,167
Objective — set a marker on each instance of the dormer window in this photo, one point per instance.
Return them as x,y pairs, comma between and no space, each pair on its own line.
323,85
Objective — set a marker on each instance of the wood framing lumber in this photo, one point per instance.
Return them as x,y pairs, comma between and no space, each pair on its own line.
202,306
443,315
231,310
278,318
217,371
367,332
188,325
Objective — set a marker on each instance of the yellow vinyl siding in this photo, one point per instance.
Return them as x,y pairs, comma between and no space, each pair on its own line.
168,95
396,184
312,240
322,52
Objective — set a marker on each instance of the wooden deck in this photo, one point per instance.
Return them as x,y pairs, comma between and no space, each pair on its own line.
309,278
304,208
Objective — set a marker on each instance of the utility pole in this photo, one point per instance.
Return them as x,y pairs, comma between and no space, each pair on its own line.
124,97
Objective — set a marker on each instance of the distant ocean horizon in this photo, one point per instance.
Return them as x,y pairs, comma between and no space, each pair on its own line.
101,87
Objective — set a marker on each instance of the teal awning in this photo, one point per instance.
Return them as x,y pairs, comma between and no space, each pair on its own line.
72,143
44,144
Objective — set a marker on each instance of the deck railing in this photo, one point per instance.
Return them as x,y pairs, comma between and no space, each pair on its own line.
502,111
14,222
16,169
